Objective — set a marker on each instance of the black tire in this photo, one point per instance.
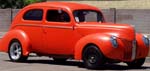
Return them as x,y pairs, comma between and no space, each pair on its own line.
60,59
92,57
15,52
136,63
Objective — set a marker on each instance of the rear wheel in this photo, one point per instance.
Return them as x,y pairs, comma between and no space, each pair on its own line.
136,63
92,57
15,52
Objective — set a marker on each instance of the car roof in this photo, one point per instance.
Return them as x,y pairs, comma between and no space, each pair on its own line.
68,5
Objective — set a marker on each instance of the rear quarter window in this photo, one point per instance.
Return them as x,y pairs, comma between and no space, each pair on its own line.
34,14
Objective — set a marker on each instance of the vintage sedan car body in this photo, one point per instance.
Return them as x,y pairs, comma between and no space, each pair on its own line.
69,30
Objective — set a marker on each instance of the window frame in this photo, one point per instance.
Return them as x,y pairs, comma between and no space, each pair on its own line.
98,12
25,13
57,10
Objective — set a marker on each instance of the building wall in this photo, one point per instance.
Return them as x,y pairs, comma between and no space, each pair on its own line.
140,18
4,19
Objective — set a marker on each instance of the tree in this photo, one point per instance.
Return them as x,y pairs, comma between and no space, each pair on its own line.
16,3
26,2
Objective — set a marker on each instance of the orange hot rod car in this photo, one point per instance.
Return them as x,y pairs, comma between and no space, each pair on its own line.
64,30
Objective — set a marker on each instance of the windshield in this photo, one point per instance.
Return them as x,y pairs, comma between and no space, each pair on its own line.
88,16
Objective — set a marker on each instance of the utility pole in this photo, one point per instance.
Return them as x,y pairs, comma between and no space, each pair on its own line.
11,11
113,10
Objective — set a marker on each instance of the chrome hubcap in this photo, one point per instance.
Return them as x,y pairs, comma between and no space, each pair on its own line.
15,51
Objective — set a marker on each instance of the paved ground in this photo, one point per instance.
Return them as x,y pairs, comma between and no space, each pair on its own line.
46,64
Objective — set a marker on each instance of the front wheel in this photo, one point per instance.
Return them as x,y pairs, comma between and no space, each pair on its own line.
136,63
15,52
92,57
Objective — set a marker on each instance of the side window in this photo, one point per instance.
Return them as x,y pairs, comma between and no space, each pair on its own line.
35,14
57,16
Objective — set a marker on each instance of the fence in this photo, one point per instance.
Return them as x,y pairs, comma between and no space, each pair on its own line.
140,18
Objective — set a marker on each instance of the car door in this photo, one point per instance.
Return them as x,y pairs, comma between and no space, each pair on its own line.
58,32
32,26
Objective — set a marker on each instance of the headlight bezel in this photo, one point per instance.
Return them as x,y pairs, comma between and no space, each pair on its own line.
145,40
114,42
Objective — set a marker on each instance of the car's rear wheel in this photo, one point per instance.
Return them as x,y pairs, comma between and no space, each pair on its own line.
15,52
136,63
92,57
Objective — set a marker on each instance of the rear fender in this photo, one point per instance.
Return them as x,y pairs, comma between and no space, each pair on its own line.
102,41
15,34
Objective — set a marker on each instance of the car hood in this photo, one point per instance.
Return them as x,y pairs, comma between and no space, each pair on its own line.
125,31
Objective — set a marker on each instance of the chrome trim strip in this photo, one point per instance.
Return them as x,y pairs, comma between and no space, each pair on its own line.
45,26
134,47
61,27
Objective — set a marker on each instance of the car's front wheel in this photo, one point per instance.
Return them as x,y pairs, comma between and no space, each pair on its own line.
136,63
92,57
15,52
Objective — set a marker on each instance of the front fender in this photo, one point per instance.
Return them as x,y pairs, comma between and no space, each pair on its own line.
142,49
100,40
15,34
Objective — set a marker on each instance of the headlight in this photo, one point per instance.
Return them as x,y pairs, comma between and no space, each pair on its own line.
114,42
146,40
